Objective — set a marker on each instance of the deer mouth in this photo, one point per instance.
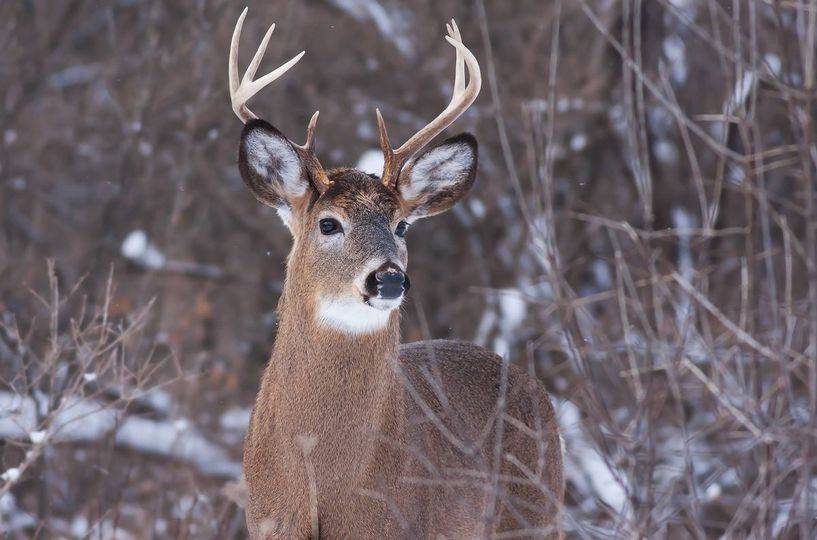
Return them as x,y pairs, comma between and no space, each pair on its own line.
382,304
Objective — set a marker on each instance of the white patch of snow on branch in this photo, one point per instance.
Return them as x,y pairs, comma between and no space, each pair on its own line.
675,51
140,250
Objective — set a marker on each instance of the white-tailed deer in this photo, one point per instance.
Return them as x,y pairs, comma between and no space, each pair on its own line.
354,435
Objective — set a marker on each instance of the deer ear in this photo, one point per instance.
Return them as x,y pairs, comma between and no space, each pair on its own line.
271,168
439,177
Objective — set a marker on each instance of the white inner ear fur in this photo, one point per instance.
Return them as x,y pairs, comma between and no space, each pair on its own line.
351,315
285,214
274,158
439,168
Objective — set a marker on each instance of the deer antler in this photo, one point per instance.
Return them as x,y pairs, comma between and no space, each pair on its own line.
241,92
462,98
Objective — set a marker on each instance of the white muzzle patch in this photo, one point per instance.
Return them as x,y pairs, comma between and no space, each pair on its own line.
353,316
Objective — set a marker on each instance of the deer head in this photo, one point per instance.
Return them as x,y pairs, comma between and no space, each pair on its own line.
349,255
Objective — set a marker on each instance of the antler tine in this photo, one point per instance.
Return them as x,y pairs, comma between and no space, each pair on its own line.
462,98
309,145
242,92
459,68
319,177
232,64
388,153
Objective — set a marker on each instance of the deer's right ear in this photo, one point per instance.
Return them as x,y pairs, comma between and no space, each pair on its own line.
271,168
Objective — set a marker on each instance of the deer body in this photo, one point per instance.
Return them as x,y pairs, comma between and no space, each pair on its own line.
352,434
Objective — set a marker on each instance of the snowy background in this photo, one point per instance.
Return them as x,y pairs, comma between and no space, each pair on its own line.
642,234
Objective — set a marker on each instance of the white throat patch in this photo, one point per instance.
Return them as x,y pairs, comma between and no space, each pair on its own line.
351,315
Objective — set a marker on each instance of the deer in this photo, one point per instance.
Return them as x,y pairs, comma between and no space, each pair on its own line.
353,434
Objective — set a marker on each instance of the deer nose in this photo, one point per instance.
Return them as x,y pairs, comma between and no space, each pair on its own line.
387,282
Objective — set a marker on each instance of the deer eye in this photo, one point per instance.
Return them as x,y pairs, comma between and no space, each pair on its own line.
401,229
330,226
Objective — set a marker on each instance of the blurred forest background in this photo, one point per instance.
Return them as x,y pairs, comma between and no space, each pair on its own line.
642,234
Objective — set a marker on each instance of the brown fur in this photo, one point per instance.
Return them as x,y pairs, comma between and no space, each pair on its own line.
407,438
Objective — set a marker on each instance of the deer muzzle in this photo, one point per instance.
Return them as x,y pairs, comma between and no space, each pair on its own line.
387,283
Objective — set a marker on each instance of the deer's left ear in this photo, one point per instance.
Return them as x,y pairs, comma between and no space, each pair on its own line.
436,179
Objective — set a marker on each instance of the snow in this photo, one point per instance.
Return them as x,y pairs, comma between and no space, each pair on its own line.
583,464
601,274
618,119
486,324
140,250
660,120
666,152
392,22
477,207
7,503
12,518
371,162
38,437
736,175
774,63
512,311
784,512
145,148
687,7
11,475
17,416
18,183
158,399
85,420
79,526
187,444
235,419
73,76
675,52
713,491
578,142
741,91
683,223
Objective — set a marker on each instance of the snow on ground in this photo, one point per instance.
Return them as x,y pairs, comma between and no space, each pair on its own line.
512,311
583,464
12,518
86,420
233,423
178,441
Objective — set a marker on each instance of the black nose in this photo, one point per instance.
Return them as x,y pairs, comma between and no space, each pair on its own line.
387,282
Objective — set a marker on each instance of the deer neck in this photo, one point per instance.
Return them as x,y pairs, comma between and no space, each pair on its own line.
330,383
